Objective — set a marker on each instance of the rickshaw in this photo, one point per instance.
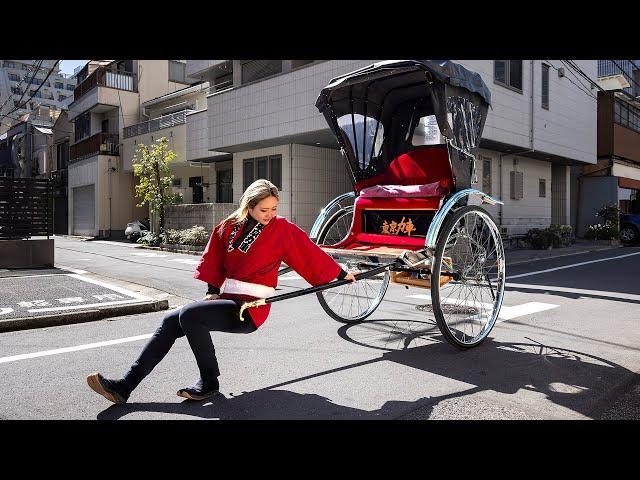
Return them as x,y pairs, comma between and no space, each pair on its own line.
409,132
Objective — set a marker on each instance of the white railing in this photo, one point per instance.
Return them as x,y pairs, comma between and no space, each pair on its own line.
166,121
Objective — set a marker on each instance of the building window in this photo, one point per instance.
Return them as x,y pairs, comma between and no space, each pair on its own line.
269,168
626,115
542,187
545,86
59,85
486,175
176,182
223,81
16,91
14,78
70,87
61,98
82,126
253,70
177,71
516,184
508,73
62,157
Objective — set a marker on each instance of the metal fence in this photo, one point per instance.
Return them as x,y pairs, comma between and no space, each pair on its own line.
156,124
26,208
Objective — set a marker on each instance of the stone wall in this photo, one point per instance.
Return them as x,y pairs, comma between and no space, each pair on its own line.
208,215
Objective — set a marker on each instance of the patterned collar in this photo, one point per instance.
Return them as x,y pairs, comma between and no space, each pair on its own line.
249,238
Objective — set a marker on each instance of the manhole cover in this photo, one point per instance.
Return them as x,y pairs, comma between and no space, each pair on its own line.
449,309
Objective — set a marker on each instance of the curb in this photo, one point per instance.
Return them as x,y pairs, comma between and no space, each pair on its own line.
26,323
172,250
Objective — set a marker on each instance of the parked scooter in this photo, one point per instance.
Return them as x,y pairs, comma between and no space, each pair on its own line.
136,229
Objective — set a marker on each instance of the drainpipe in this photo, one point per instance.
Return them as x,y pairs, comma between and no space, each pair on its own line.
291,181
532,105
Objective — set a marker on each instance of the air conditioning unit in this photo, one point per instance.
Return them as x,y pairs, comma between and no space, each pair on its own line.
561,72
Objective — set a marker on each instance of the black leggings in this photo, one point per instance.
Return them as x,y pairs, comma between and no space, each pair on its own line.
195,320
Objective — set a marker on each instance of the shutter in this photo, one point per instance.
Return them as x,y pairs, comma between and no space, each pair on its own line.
84,210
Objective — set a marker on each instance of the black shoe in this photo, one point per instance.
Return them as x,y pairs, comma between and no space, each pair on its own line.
106,388
199,391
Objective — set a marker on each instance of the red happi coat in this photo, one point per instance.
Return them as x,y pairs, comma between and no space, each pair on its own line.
266,248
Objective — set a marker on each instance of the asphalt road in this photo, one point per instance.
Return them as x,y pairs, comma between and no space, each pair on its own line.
566,347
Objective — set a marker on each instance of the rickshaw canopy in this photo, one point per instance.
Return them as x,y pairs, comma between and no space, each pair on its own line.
388,108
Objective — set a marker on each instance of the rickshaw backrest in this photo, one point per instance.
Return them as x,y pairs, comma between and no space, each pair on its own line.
417,167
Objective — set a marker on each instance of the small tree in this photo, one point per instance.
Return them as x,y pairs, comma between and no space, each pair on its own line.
152,166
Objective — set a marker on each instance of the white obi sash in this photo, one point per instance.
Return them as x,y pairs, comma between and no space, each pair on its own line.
233,286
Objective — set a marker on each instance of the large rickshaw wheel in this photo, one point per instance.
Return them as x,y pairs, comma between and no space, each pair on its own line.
355,301
466,305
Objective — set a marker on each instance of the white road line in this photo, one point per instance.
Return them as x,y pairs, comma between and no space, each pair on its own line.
188,261
571,266
76,307
150,255
58,351
578,291
117,244
290,276
506,313
112,287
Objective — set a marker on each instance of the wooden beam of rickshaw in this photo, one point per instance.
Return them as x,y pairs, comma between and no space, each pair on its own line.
317,288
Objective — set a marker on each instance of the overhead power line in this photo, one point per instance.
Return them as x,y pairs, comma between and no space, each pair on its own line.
36,67
37,90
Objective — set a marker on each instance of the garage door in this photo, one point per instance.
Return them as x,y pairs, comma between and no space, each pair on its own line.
84,210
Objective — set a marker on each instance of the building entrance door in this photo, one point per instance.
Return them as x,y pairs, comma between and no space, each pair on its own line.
196,185
224,190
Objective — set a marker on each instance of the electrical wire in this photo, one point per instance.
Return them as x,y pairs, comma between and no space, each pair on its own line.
36,67
19,106
579,87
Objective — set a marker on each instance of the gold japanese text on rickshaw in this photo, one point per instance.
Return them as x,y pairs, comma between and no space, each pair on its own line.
405,227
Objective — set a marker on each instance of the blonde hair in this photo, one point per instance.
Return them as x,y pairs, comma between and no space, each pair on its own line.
254,194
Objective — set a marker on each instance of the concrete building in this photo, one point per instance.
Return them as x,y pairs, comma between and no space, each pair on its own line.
107,100
167,116
19,80
615,178
262,112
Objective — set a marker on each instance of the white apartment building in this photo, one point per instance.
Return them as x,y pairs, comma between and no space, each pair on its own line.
17,80
107,100
263,113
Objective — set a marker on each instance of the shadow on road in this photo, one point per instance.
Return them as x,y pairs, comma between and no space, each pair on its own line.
577,381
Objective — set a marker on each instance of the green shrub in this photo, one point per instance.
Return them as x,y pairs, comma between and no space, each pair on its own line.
609,229
602,232
195,235
151,239
555,236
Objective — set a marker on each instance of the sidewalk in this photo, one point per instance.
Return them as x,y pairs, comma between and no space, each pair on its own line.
44,297
517,256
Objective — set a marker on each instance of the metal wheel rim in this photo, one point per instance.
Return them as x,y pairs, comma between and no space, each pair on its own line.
356,301
626,234
339,227
468,308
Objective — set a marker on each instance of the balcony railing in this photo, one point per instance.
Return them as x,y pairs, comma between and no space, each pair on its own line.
156,124
106,78
100,143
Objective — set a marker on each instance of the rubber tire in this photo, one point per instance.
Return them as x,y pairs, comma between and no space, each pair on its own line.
435,271
321,299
